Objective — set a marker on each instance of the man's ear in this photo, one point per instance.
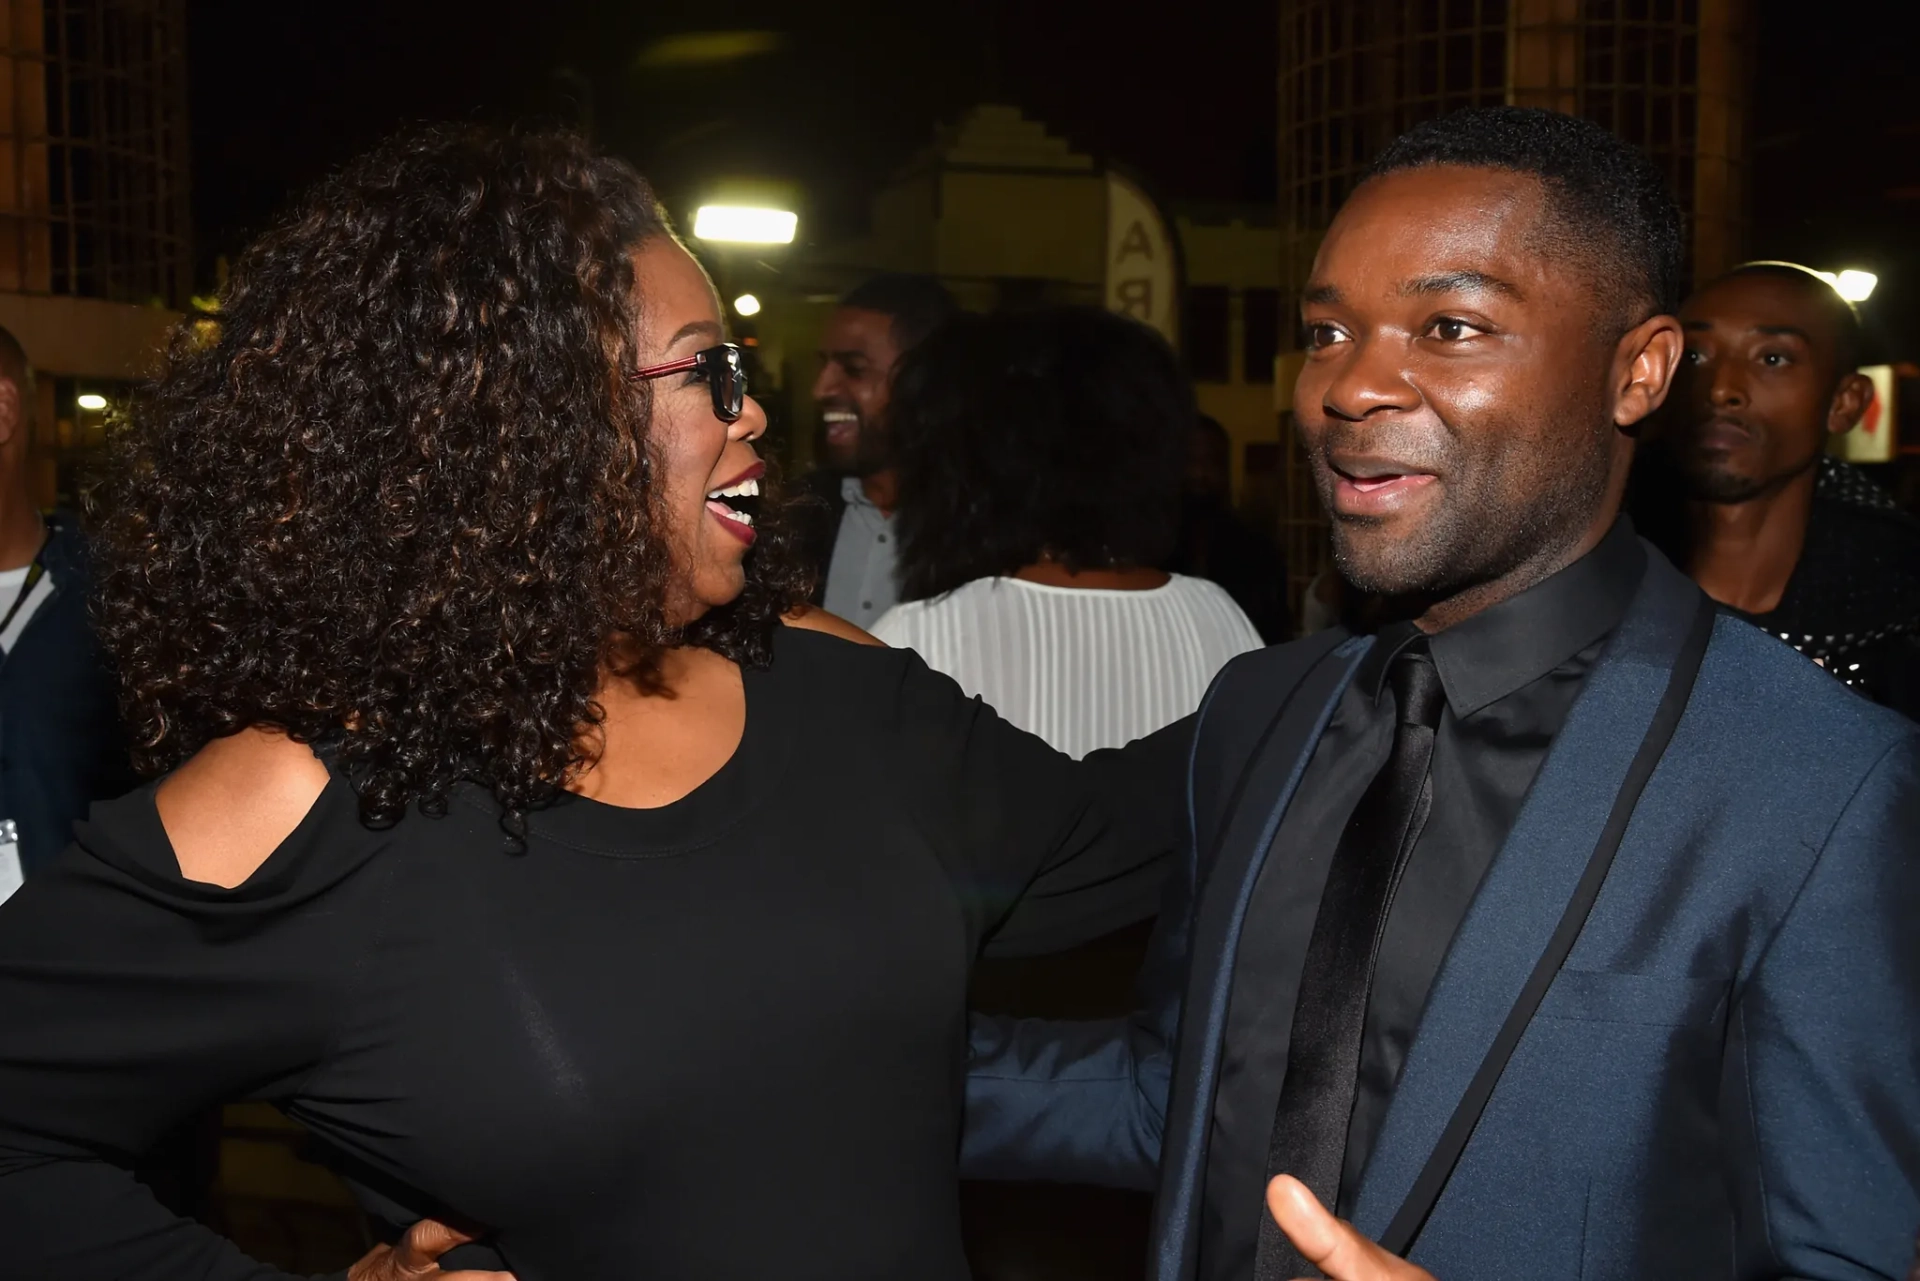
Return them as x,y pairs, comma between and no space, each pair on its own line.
11,415
1644,362
1850,401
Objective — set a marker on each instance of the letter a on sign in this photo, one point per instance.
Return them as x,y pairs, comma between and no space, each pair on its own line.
1140,259
1135,242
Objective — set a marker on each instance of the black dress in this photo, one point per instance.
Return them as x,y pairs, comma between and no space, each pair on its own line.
720,1039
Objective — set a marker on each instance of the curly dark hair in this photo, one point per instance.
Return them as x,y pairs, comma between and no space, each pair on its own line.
403,500
1056,433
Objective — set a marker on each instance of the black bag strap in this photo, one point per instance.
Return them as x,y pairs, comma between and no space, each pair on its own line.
1426,1190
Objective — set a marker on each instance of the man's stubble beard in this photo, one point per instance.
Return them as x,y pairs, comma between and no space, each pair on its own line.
1715,485
872,451
1475,536
1708,482
869,453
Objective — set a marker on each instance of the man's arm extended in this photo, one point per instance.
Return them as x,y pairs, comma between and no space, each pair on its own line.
1082,1102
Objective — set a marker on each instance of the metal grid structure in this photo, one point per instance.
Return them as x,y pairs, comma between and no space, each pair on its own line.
117,149
1638,78
95,115
1355,75
1664,74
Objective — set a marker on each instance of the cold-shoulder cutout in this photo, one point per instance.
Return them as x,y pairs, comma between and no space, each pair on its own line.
816,619
235,801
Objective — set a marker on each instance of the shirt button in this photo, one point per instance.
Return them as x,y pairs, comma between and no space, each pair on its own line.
866,604
883,538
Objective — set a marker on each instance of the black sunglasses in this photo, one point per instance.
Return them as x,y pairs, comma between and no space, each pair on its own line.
726,372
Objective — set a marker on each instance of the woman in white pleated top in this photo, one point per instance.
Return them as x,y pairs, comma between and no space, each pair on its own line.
1040,457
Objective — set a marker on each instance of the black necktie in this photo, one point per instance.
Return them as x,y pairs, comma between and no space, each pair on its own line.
1323,1054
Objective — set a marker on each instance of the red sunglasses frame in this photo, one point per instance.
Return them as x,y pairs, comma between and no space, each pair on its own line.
726,371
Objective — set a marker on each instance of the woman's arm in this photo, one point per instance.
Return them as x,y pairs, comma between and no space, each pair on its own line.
1047,852
131,998
1107,867
1083,1101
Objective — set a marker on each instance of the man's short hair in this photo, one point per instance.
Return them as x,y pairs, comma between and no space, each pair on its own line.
1848,332
1610,206
918,304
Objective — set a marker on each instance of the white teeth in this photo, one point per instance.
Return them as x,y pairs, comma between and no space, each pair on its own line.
838,416
727,513
745,489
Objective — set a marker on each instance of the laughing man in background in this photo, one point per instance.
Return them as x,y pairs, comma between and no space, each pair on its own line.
849,531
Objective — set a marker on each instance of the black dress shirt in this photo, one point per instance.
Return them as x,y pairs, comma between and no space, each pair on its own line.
1510,674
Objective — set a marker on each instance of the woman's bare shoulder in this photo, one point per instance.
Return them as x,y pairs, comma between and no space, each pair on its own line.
235,801
819,620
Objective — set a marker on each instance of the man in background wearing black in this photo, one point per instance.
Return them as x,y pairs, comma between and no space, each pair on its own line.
1799,543
61,745
848,528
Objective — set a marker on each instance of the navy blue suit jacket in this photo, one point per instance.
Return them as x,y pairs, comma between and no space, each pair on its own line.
1722,1081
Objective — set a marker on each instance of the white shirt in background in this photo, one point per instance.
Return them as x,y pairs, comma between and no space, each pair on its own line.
861,580
1083,669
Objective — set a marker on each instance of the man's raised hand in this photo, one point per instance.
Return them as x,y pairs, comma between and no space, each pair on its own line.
1331,1244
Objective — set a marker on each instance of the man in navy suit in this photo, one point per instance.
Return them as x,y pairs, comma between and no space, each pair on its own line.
1563,927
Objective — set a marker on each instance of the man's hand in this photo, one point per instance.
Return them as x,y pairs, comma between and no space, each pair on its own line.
1328,1243
418,1257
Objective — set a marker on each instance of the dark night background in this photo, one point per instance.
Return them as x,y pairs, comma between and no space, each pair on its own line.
844,93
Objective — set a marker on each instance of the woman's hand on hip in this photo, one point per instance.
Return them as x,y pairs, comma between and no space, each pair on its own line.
418,1257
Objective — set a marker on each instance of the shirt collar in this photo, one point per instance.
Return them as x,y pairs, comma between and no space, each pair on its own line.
1484,658
855,493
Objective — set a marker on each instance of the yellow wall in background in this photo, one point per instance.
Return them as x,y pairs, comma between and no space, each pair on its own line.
1036,225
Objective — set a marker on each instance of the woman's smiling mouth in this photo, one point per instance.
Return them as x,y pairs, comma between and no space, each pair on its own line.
736,516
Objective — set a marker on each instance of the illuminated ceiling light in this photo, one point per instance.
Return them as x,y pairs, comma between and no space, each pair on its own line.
706,48
89,400
1856,286
747,305
1851,284
744,224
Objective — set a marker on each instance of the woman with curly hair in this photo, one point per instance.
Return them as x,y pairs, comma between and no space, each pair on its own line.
503,834
1041,455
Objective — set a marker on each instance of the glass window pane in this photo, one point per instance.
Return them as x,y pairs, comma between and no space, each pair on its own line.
1204,333
1261,322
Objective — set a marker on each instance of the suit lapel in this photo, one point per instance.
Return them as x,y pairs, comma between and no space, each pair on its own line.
1527,888
1226,883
